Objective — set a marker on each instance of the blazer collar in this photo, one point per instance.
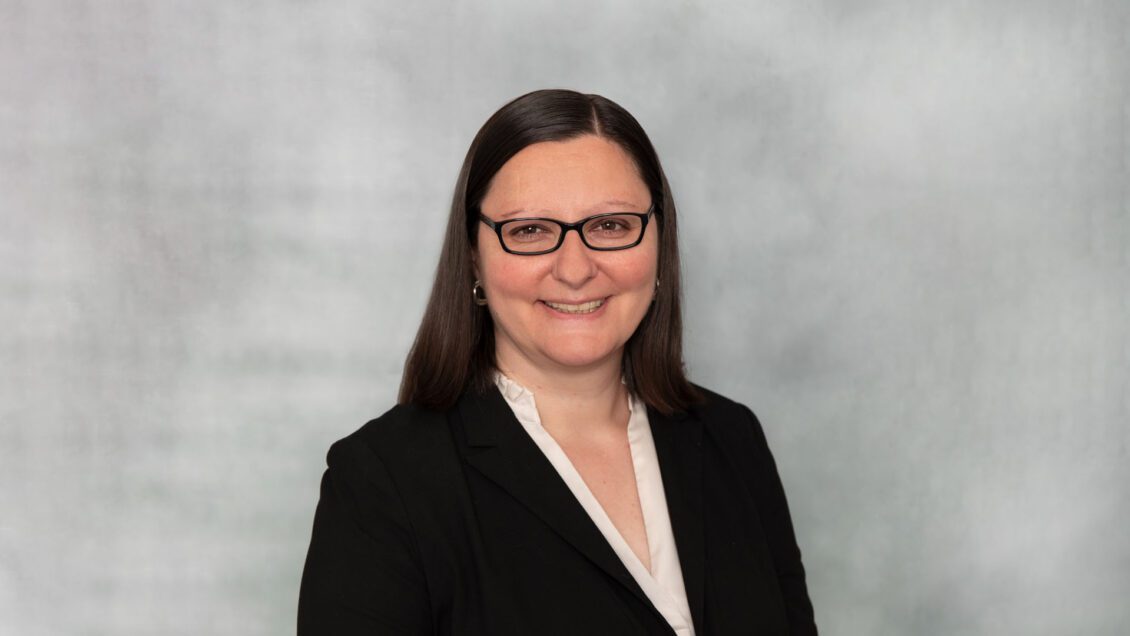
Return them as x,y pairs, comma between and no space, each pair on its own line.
499,448
678,447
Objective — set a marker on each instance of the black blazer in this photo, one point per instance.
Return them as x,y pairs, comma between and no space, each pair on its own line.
456,523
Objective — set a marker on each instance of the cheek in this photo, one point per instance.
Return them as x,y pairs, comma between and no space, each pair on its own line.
511,278
635,269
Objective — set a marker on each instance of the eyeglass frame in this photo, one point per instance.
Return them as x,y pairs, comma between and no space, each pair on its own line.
565,227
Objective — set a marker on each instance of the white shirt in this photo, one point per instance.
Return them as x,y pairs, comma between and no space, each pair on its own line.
663,585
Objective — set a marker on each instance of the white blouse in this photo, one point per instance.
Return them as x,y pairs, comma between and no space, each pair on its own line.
663,585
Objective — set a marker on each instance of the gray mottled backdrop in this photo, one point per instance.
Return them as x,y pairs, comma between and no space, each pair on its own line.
907,247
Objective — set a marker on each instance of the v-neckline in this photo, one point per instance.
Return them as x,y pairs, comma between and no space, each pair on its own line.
665,588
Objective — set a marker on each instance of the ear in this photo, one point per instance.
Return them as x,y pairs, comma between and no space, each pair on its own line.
475,262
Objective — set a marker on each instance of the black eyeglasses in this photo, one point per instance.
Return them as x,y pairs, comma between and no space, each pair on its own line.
601,232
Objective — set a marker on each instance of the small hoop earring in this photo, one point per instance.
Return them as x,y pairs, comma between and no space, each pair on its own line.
478,294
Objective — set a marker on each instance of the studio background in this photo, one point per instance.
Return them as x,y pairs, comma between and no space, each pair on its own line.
906,243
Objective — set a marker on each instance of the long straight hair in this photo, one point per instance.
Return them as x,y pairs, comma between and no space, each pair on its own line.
454,349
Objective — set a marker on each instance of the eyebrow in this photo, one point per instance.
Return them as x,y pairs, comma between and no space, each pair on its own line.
604,204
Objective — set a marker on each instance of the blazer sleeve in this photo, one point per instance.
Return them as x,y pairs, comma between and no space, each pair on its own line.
774,511
362,572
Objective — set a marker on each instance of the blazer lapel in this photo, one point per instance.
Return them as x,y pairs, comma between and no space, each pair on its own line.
678,446
499,448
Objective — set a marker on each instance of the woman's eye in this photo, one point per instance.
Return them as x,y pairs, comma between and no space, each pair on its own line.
528,232
609,226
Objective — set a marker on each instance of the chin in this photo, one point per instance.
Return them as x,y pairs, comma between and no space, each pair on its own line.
580,356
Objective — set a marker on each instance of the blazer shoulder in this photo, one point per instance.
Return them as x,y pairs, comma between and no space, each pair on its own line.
402,431
717,407
724,417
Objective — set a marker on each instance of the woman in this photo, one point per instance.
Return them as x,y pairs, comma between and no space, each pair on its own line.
549,468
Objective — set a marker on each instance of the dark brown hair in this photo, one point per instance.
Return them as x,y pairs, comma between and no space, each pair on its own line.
454,348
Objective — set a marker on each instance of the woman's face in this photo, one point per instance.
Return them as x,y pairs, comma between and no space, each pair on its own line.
535,301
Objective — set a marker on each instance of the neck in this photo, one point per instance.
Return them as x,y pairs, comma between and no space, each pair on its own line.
586,401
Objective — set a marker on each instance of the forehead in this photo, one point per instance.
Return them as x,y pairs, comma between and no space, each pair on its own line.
574,176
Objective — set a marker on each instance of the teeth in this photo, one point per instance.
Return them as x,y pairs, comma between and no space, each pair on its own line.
585,308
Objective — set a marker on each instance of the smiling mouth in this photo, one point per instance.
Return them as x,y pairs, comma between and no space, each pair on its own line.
583,308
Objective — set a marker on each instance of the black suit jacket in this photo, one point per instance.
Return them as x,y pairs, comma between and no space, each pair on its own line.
456,523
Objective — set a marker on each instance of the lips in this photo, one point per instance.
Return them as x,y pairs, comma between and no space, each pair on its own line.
582,308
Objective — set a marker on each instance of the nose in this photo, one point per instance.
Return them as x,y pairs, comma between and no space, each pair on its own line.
573,265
